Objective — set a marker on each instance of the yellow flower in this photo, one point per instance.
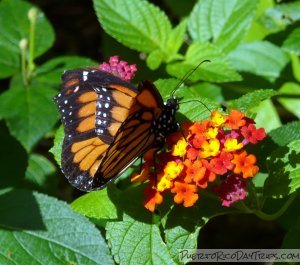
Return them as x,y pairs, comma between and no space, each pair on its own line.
172,169
217,118
211,133
210,148
163,183
232,145
180,148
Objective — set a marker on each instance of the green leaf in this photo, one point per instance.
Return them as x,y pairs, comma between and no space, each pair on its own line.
29,112
261,58
137,24
14,26
208,90
135,242
284,171
39,169
96,205
9,62
257,30
57,146
166,86
217,70
280,16
224,23
154,59
290,103
182,229
295,62
13,159
292,42
267,116
286,133
249,102
51,71
176,39
51,234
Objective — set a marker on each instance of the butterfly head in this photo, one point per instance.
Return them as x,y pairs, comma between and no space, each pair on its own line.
173,103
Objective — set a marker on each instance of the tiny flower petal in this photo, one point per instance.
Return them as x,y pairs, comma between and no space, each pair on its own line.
235,120
210,148
194,172
252,134
119,68
231,190
217,118
211,133
173,169
221,164
185,193
164,183
231,145
192,153
245,164
180,148
153,197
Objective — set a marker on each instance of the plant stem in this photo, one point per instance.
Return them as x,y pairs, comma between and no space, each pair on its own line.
269,217
23,46
295,66
281,211
32,15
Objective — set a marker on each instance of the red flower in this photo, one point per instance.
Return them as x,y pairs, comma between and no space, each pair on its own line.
192,153
221,164
232,190
252,134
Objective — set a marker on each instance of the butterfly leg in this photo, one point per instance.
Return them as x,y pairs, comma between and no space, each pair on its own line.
181,131
155,167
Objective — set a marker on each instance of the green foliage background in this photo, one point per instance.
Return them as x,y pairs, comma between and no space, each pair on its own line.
254,49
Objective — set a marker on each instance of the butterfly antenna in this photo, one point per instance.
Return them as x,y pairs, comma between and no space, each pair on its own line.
186,76
196,101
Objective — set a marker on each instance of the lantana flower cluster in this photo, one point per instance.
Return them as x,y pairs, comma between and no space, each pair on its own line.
211,151
119,68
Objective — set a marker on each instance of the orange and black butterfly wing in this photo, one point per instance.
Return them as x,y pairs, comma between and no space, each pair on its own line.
135,136
93,104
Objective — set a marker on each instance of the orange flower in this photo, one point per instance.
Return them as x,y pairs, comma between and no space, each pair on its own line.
195,171
192,153
185,193
153,197
235,120
198,140
245,164
199,128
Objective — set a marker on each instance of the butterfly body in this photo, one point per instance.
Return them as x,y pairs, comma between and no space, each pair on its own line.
108,124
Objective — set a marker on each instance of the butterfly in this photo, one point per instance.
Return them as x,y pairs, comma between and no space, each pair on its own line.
108,124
